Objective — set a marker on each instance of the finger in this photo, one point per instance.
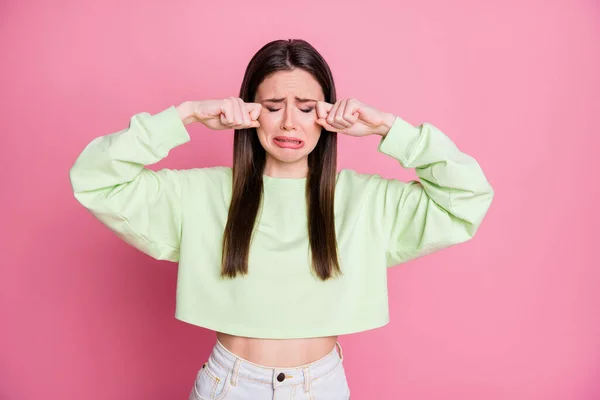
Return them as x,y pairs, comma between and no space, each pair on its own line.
351,111
238,114
254,109
251,124
245,112
331,113
327,126
339,115
227,114
323,109
331,117
225,121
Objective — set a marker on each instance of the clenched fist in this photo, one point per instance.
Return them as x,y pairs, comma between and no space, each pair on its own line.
229,113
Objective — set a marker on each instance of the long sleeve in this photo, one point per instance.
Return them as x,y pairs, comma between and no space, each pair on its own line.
141,206
444,207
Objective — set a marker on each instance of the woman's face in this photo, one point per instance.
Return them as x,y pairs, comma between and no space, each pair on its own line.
288,129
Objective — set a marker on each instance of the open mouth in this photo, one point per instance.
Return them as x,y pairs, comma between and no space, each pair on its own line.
288,143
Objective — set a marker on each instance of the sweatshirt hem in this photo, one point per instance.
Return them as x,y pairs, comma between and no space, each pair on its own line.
281,334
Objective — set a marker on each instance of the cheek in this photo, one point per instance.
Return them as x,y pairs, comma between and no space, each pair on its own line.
267,123
312,130
313,138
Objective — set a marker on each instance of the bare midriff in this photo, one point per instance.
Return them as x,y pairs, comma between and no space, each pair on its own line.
278,352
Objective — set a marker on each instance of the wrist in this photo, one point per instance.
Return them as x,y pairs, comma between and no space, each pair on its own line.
387,122
186,112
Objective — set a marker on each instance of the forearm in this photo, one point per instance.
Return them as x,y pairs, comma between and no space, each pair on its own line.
118,157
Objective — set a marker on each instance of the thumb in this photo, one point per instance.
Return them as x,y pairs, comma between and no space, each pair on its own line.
254,109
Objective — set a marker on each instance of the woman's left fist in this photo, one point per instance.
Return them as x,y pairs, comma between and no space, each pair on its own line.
354,118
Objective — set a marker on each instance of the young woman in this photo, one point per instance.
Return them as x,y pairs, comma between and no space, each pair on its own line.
281,253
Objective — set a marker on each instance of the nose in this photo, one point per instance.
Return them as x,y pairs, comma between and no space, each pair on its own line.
288,120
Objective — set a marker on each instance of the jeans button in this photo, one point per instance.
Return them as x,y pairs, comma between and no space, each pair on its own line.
281,377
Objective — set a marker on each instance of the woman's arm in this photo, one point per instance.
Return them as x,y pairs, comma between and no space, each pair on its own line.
444,207
141,206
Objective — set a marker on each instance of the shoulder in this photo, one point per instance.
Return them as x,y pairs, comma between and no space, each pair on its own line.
208,177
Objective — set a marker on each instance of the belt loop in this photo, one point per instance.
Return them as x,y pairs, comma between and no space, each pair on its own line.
341,351
306,379
235,372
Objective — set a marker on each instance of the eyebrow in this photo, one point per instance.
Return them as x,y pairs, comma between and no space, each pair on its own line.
281,100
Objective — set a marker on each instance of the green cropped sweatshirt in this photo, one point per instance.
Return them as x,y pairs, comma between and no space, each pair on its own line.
180,216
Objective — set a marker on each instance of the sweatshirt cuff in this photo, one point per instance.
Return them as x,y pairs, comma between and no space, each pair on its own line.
170,130
399,141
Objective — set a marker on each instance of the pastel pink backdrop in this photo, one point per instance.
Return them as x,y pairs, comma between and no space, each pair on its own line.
513,314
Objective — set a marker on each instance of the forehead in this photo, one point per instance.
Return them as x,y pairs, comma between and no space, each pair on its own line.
294,83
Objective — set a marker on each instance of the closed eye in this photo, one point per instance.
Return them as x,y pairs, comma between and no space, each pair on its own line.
277,109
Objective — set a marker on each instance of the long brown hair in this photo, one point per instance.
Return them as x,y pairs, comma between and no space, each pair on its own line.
249,163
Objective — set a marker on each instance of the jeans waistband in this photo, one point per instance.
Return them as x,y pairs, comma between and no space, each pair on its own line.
239,368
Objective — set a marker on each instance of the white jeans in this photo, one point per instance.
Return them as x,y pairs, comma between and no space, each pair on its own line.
227,376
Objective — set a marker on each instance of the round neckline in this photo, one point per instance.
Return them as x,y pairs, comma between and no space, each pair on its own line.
285,183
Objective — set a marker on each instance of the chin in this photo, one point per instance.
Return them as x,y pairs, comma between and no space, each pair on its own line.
289,160
281,156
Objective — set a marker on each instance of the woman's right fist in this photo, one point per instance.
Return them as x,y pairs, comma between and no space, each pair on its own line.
230,113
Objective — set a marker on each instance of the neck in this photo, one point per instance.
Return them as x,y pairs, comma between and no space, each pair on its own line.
278,169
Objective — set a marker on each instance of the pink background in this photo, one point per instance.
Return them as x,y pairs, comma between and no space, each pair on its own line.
513,314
